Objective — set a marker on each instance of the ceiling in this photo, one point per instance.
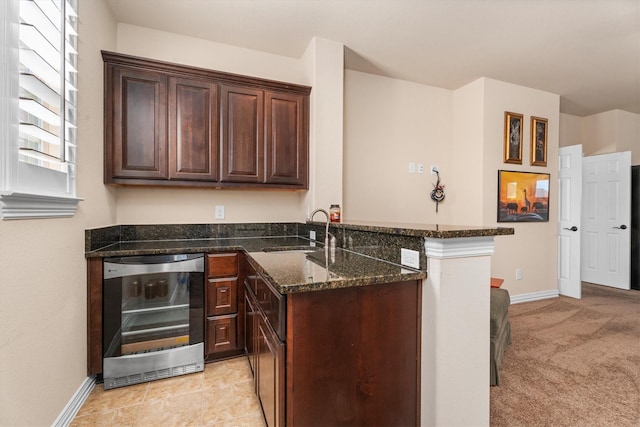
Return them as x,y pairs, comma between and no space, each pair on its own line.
587,51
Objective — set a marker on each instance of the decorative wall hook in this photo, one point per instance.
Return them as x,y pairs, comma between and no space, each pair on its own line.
437,194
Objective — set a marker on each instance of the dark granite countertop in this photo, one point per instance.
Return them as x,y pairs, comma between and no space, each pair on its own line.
434,231
368,252
316,270
173,246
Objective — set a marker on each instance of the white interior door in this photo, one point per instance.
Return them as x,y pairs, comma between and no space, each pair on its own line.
606,215
569,206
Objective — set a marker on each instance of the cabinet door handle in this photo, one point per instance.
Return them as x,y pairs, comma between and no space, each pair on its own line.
573,228
622,227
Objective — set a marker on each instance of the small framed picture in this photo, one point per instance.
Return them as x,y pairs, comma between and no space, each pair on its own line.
513,138
538,141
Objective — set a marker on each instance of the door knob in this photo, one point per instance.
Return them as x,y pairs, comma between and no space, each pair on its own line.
574,228
622,227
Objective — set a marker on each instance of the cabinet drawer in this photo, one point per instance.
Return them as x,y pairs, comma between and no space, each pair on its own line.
221,333
274,306
222,296
222,265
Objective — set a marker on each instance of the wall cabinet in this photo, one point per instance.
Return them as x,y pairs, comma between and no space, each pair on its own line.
286,142
242,134
174,125
137,116
193,129
224,334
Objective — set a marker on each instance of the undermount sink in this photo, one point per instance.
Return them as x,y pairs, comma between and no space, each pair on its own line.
301,249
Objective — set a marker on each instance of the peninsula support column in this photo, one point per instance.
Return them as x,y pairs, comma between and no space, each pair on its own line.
455,332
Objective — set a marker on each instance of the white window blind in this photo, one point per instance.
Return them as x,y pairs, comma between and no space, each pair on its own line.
48,84
40,156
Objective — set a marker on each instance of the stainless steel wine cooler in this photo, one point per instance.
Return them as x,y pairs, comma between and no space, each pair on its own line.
153,320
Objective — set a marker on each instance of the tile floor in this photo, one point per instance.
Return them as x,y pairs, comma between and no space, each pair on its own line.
222,395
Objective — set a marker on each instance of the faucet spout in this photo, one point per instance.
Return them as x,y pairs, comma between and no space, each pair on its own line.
326,230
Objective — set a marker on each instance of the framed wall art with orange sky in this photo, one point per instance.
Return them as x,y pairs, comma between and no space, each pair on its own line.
523,196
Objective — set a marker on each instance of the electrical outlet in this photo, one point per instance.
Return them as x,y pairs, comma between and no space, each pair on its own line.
420,167
312,234
410,258
219,212
412,167
434,169
518,274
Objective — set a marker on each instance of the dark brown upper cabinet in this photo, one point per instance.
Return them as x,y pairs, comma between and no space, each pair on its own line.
242,134
193,129
174,125
138,125
286,139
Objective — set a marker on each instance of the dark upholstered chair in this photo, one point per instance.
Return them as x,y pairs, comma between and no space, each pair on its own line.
500,330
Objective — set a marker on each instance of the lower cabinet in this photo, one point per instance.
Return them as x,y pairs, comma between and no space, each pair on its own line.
266,352
348,356
224,319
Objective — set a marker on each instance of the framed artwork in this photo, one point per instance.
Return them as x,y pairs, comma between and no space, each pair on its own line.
523,196
538,141
513,138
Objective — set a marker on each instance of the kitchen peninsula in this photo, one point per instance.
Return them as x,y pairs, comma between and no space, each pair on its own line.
347,335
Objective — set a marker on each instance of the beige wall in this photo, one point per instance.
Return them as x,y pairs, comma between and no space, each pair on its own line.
570,130
389,123
533,248
42,266
150,43
628,134
324,63
465,181
608,132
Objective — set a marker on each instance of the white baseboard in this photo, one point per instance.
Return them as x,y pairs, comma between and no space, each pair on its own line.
534,296
78,398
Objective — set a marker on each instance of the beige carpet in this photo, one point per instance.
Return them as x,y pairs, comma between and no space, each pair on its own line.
572,362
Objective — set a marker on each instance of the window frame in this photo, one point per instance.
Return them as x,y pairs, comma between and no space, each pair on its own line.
26,191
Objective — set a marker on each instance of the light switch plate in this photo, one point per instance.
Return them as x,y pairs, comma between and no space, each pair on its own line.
219,212
410,258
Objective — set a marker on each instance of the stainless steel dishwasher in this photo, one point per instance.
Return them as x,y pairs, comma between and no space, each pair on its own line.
153,320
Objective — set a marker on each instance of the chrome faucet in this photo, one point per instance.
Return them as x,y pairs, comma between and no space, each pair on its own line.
326,231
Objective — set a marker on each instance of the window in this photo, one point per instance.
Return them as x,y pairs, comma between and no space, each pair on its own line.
38,105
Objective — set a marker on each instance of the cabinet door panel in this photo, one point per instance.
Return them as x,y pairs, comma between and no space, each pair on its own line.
250,319
270,361
221,333
193,129
139,125
242,134
274,305
222,297
286,139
